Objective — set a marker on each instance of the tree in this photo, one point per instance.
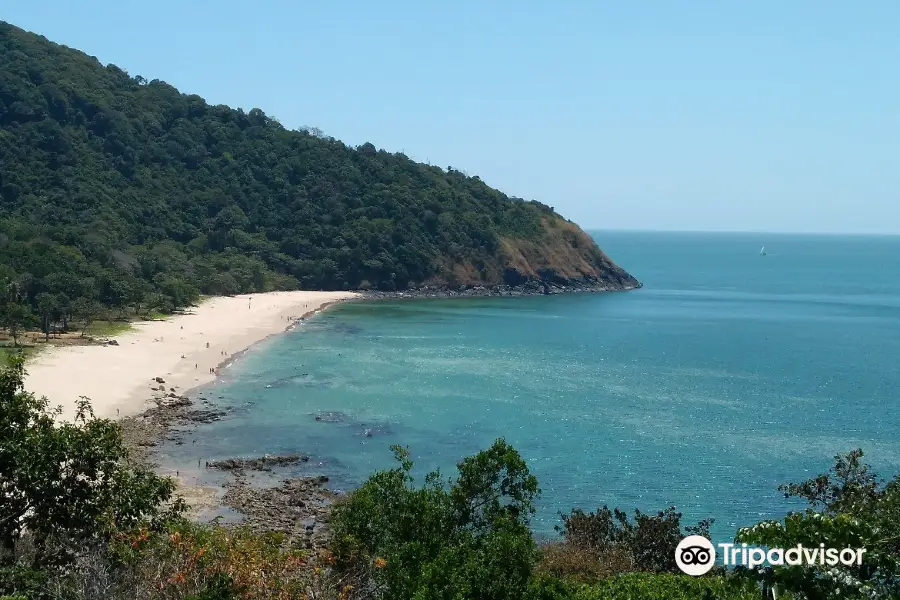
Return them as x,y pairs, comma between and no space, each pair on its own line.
47,306
64,310
14,311
87,311
67,481
849,507
646,544
15,316
467,538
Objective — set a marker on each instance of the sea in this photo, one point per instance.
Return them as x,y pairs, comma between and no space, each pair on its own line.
729,373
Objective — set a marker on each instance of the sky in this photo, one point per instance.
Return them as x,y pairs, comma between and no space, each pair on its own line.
697,115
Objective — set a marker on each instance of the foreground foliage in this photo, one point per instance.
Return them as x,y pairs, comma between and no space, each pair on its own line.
849,507
467,538
597,545
647,586
68,481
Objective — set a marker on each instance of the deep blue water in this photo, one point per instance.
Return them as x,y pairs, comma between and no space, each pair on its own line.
727,374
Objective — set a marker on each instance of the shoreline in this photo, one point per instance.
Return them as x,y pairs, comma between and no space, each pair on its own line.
533,288
170,357
293,322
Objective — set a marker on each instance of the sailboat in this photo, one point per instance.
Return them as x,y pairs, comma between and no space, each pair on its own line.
762,251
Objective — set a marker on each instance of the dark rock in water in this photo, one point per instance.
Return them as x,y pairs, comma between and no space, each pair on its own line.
377,429
330,417
264,463
153,425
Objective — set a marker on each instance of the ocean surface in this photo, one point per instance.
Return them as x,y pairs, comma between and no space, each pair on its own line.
728,374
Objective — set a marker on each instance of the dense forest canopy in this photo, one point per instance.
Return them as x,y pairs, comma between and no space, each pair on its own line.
121,191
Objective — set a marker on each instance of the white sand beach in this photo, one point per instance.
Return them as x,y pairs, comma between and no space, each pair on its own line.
181,350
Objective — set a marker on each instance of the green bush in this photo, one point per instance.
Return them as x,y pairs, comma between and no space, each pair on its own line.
67,483
20,581
467,538
849,507
667,586
606,542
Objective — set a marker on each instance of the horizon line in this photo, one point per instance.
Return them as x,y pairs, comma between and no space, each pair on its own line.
743,231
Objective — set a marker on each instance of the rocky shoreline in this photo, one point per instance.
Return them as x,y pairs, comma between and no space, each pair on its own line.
532,287
146,430
297,506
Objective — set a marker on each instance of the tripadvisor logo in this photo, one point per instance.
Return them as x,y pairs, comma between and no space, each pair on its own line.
696,555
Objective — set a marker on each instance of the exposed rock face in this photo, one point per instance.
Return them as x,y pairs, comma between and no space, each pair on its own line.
563,259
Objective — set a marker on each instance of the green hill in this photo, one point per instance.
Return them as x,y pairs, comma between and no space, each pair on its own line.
126,190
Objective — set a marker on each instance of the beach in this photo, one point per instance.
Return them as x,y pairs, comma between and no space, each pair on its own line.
184,351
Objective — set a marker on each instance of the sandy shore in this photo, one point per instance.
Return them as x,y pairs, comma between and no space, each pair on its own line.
181,350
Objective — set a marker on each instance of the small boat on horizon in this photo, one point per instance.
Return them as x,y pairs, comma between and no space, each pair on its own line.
762,251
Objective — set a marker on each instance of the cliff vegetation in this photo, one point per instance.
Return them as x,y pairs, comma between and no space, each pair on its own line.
124,192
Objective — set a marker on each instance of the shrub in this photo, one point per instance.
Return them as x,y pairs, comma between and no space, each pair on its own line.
68,481
585,565
467,538
667,586
849,507
605,542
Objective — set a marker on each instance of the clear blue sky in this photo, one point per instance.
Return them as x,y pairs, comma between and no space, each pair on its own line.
765,115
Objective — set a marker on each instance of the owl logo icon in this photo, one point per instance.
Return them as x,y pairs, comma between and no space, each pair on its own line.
695,555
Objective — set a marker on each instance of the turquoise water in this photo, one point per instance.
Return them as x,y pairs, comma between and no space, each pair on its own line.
727,374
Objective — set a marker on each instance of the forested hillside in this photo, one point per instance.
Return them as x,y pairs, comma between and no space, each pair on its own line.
124,191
